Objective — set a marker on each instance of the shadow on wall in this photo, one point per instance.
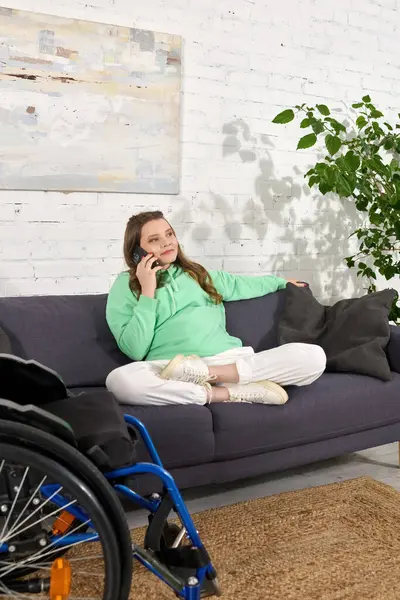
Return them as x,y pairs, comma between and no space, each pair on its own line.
300,233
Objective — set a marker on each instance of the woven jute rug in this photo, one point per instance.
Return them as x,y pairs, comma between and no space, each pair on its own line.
335,542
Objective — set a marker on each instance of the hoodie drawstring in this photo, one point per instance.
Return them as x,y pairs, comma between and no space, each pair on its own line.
172,287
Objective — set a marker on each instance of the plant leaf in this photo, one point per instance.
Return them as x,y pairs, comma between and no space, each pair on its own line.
341,163
307,141
389,272
336,125
366,99
368,272
361,122
313,181
357,105
352,161
332,143
324,187
395,198
388,143
284,117
317,126
324,110
378,130
376,163
305,123
376,114
343,185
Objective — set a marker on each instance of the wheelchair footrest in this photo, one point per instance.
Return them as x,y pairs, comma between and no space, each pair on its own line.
208,586
150,560
176,577
187,557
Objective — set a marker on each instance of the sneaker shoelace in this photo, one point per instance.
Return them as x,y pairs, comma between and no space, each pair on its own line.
251,396
196,376
247,397
208,388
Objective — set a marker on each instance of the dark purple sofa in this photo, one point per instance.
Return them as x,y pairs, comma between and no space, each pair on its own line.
339,413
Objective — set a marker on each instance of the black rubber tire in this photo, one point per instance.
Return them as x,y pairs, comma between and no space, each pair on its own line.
87,472
32,458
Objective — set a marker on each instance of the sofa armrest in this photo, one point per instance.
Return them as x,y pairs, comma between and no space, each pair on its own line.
393,349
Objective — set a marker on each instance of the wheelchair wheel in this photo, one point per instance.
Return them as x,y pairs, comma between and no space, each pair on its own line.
70,458
49,521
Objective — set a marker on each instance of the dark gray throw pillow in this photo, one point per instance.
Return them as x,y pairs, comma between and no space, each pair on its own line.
354,333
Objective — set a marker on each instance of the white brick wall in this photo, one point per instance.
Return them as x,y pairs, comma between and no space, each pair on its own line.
245,210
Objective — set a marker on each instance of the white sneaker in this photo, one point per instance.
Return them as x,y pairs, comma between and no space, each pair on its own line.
262,392
190,369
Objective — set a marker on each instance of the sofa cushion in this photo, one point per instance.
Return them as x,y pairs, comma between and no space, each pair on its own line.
335,405
182,435
255,321
69,334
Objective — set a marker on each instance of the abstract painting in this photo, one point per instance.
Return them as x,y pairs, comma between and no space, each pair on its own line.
88,107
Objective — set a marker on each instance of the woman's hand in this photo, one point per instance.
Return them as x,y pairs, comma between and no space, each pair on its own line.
147,276
297,282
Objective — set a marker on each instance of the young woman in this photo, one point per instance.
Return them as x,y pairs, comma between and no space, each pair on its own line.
170,318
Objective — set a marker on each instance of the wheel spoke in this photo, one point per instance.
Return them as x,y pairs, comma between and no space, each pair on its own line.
19,531
44,552
10,594
14,525
47,567
18,490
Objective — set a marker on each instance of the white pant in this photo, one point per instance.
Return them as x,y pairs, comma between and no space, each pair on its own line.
291,364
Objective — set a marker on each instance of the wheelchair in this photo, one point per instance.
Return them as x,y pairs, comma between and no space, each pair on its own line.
63,532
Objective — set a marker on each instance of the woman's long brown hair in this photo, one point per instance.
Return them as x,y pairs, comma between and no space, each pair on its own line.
133,233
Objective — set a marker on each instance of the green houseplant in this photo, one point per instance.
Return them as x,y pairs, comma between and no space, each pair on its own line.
361,163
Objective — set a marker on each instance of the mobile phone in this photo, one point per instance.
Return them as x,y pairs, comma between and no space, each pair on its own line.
138,254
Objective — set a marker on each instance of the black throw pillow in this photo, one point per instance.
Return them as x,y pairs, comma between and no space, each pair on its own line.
354,333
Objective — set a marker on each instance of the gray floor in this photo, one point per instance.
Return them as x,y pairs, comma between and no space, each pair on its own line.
381,463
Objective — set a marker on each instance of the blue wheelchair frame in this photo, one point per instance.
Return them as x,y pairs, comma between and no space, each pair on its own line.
192,589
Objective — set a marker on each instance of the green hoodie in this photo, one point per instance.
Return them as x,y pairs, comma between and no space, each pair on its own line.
182,318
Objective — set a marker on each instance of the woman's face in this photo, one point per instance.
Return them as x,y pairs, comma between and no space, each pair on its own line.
158,238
